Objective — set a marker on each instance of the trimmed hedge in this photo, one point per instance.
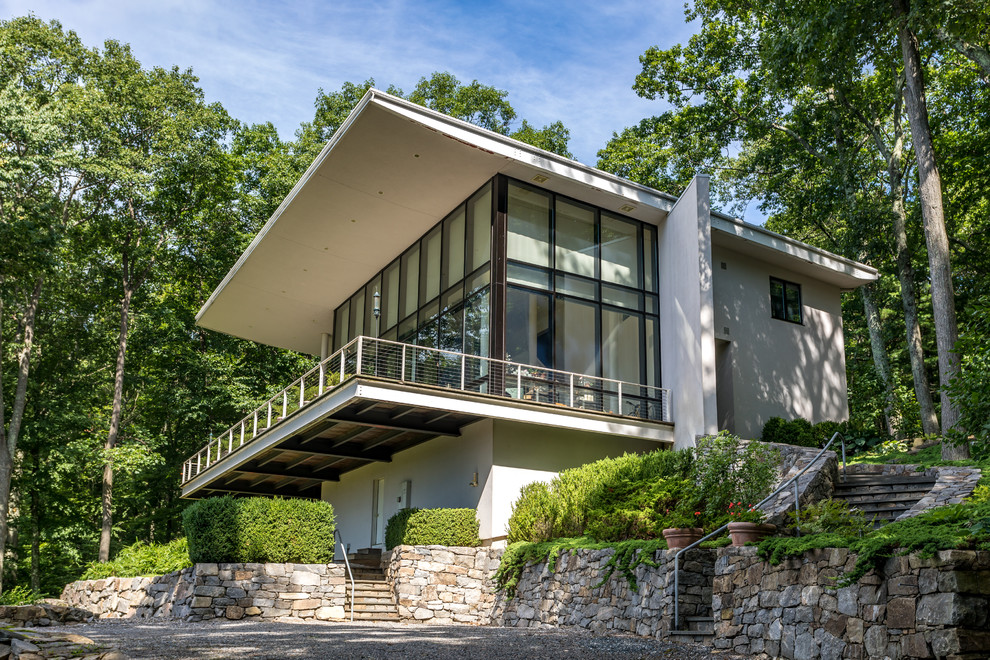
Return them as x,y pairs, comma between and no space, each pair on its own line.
452,527
259,529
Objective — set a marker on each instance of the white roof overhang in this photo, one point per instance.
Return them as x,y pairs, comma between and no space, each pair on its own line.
773,248
393,170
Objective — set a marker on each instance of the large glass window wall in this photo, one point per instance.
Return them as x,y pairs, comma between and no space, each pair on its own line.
582,293
436,294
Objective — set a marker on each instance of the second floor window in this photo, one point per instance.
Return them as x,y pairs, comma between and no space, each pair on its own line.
785,300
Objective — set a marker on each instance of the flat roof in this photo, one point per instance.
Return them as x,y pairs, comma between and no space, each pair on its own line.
390,173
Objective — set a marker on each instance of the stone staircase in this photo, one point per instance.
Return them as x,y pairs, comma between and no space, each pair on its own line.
883,497
372,598
697,630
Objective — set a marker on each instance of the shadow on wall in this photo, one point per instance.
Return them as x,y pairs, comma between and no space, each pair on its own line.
780,368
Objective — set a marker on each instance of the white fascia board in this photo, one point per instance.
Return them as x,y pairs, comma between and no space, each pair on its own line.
528,413
307,175
515,150
794,248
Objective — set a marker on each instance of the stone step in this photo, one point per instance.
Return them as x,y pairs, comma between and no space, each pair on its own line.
375,616
369,585
383,602
868,490
700,624
691,637
884,479
383,608
886,496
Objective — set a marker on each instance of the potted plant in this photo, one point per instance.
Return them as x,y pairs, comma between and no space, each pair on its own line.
746,524
685,527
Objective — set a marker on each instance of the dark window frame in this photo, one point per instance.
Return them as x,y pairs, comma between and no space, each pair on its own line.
779,311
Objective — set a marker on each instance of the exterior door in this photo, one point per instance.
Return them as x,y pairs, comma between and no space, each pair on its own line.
378,513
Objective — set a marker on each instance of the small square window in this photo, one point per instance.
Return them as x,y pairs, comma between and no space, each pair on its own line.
785,300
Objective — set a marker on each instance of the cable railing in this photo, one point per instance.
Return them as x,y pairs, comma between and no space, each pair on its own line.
780,489
438,368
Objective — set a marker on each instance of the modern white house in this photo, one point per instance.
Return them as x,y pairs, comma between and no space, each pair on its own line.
487,314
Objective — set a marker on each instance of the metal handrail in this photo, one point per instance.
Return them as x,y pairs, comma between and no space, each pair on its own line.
359,353
773,495
350,574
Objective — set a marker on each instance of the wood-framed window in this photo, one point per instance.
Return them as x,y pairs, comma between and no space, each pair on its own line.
785,301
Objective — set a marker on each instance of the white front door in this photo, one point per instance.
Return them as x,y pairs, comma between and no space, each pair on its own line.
378,513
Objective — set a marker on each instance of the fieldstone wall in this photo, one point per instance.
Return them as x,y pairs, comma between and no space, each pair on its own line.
952,484
814,485
912,608
570,595
292,592
440,584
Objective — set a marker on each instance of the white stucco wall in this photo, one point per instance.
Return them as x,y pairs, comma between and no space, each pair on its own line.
687,341
440,471
776,368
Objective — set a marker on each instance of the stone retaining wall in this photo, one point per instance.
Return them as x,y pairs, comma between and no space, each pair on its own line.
912,608
293,592
570,595
439,584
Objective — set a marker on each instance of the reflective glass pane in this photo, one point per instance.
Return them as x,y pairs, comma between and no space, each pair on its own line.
430,266
793,302
577,286
452,329
390,295
650,258
574,237
357,314
477,281
528,276
371,324
479,228
621,345
620,252
341,325
527,328
476,324
652,352
776,298
453,245
575,324
614,295
528,237
410,281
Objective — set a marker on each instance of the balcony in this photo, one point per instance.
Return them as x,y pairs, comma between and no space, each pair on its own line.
374,397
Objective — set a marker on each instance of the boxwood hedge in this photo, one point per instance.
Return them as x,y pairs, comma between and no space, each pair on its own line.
259,529
454,527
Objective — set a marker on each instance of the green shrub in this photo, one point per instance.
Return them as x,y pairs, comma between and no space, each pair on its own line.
212,530
450,527
798,432
726,470
831,517
142,559
259,529
611,499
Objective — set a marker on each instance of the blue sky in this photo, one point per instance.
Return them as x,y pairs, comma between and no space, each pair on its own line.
573,61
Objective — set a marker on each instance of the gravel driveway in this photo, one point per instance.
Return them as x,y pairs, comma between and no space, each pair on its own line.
173,640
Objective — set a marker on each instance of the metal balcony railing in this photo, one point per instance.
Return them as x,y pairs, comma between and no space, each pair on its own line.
420,365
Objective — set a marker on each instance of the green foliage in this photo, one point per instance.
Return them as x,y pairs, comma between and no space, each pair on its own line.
970,390
259,529
142,559
727,470
944,528
626,557
20,595
450,527
611,499
794,432
831,517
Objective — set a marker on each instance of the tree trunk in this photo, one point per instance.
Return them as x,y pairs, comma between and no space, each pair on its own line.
930,193
905,275
115,415
9,434
880,359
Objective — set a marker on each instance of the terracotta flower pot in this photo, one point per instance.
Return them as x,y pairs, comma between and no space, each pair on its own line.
682,537
749,532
